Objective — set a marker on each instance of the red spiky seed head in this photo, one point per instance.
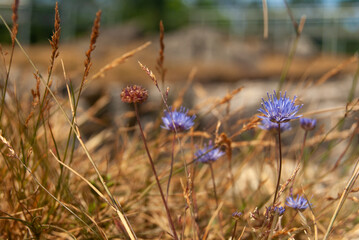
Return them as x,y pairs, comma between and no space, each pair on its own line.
134,94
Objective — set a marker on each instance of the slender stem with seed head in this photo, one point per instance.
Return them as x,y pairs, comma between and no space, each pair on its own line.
279,165
156,176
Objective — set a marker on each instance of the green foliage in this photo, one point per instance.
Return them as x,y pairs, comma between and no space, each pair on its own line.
149,13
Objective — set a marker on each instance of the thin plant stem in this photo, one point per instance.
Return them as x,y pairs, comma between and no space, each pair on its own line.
13,34
172,161
156,176
298,29
233,183
6,80
164,99
300,159
214,184
279,165
303,145
216,197
234,230
354,84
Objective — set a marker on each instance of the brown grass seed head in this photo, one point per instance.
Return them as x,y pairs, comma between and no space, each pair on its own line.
134,94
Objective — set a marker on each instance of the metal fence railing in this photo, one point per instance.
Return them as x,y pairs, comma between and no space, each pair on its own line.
330,26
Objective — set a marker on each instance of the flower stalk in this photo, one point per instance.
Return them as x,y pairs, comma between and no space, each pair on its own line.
174,234
279,166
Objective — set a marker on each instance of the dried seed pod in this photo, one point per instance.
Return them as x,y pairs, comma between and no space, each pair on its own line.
134,94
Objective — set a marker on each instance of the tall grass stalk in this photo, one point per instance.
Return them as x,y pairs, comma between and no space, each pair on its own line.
54,42
77,133
13,33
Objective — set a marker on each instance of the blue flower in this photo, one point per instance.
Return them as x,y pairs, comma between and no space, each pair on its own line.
236,215
181,120
279,110
279,210
308,124
268,125
300,203
208,153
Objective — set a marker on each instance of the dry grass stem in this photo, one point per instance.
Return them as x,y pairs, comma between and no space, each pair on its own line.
14,17
161,57
149,73
55,38
214,215
119,60
94,35
332,72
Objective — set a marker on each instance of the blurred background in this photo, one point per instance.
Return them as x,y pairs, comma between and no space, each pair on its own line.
331,25
223,41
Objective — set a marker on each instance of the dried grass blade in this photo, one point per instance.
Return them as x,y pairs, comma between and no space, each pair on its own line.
240,237
92,220
14,155
59,228
208,227
336,70
74,128
119,60
79,175
344,196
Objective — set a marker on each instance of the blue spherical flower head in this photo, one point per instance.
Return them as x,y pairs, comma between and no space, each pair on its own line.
300,203
208,154
308,124
268,125
181,120
279,110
